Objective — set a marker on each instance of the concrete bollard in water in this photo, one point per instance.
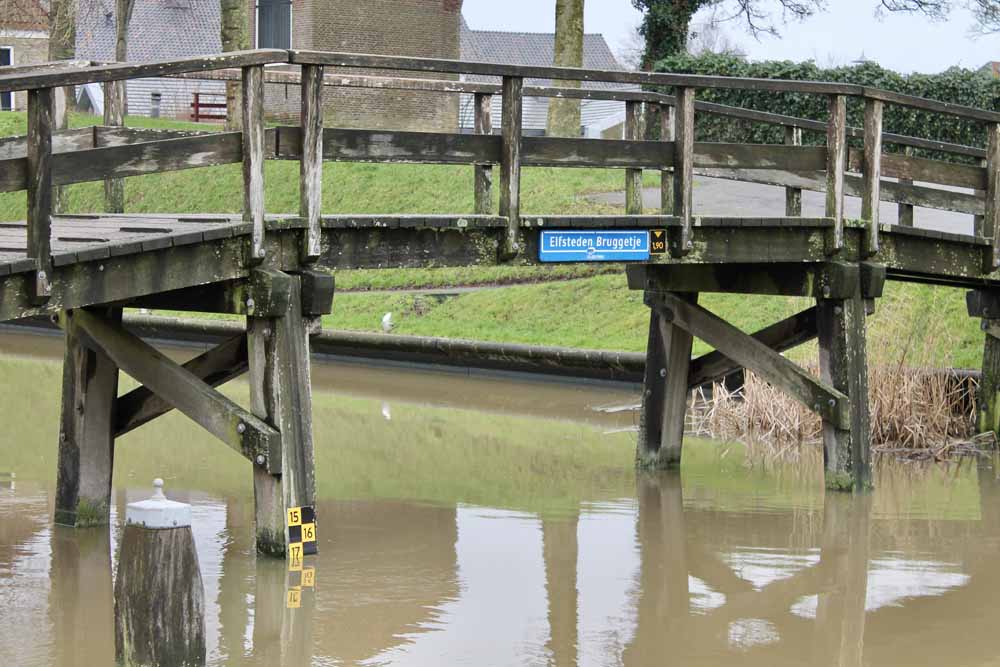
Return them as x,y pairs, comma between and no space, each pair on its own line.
159,598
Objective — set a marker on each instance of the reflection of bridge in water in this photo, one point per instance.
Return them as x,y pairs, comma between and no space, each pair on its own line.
418,584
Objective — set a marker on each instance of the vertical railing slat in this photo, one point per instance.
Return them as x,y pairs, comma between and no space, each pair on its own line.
510,162
836,156
904,212
979,221
483,172
41,110
991,222
253,155
871,194
311,165
681,242
793,196
633,177
666,175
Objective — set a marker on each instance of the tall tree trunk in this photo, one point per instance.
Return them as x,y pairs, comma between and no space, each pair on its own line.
62,46
564,115
235,37
116,102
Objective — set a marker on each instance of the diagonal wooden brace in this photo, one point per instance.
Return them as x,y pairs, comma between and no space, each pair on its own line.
215,367
780,336
183,390
832,405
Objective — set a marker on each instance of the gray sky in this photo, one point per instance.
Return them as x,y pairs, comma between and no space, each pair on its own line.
837,36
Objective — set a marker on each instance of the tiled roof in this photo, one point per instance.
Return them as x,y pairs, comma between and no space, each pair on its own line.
24,15
159,30
534,49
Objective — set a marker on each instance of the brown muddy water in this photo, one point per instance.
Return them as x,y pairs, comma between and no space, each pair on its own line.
490,521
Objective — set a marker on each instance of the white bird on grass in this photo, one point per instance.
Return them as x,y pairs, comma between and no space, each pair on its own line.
387,322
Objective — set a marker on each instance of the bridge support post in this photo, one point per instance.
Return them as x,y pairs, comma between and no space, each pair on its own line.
844,365
86,431
986,305
665,392
280,393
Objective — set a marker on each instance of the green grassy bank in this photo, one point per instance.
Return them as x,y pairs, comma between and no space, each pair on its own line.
579,305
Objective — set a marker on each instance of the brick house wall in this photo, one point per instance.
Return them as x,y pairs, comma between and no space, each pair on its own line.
27,48
24,29
423,28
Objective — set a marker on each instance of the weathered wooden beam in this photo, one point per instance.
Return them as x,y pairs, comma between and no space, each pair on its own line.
633,177
510,162
214,367
280,392
86,430
824,399
793,196
114,116
988,390
807,279
836,156
317,292
991,218
483,172
667,176
252,92
681,241
665,392
41,109
844,366
66,76
784,335
872,172
60,123
184,390
311,164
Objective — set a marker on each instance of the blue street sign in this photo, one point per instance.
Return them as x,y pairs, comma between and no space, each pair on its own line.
557,245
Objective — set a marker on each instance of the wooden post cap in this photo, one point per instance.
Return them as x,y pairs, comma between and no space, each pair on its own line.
158,512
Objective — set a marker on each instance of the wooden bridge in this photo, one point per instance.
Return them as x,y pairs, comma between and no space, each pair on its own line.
274,269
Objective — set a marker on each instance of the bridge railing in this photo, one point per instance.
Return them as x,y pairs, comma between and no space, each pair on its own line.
52,158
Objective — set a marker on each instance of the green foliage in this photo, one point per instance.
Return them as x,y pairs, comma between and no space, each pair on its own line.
665,26
955,85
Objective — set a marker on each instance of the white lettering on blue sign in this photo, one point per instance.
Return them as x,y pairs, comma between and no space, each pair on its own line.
557,245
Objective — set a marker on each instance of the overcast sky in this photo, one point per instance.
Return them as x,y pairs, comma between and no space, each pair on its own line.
838,36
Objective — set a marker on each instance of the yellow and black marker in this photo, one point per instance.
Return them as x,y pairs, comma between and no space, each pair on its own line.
657,241
301,535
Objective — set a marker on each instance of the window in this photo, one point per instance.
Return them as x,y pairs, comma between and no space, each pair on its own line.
274,24
6,58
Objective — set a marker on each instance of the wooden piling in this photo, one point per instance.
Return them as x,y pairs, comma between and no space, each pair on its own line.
483,172
280,393
843,364
793,196
633,177
159,597
665,392
86,431
985,304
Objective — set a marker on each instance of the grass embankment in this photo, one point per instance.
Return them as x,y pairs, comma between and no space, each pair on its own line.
589,306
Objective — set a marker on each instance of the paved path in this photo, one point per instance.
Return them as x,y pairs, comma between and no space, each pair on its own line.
720,197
